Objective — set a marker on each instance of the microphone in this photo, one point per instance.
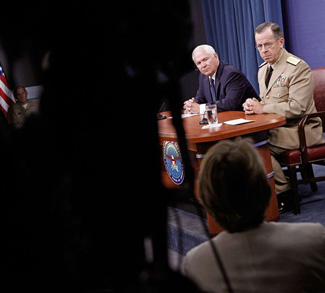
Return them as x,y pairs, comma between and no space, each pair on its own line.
161,116
203,121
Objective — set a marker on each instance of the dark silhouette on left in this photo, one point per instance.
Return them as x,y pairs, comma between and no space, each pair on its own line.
76,201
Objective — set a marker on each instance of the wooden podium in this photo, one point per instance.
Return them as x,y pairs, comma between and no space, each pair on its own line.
200,140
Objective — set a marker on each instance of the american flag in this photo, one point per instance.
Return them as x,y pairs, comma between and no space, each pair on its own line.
6,95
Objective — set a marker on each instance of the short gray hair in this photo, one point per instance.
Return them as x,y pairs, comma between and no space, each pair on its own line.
275,28
207,48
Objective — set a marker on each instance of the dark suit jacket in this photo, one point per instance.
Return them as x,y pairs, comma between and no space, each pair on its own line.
232,88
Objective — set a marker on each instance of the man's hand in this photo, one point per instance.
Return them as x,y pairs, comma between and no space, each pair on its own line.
190,106
253,106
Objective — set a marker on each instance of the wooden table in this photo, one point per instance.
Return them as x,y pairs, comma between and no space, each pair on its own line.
200,140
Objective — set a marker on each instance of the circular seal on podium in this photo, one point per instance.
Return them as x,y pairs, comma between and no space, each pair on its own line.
173,161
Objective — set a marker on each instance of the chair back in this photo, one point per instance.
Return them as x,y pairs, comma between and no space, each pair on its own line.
319,89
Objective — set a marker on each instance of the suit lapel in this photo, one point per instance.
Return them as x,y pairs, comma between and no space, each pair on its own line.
262,77
218,76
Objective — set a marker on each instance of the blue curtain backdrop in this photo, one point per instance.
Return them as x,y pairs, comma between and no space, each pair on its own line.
230,25
305,26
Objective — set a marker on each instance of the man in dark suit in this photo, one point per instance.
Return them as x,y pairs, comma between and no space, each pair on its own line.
231,87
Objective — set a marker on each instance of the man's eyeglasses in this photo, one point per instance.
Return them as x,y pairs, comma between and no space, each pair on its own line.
267,45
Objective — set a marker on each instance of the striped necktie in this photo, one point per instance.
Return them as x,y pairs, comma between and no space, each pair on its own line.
213,90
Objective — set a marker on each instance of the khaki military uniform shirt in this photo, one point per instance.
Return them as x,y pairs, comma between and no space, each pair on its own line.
290,93
17,113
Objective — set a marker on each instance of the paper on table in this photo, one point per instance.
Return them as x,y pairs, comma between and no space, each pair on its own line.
208,126
238,121
188,115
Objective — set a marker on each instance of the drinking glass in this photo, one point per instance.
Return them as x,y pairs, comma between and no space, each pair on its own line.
211,114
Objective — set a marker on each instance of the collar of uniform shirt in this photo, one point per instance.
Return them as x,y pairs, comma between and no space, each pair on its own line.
274,65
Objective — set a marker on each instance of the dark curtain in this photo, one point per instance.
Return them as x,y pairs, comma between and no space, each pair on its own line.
230,26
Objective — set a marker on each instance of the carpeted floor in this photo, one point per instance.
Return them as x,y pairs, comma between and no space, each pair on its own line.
186,228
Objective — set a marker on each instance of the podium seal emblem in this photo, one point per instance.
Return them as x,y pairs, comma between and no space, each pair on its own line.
173,161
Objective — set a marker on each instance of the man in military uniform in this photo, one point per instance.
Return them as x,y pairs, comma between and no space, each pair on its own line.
19,111
286,88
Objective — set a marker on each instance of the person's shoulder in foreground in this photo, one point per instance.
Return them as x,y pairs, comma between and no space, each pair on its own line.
257,256
275,257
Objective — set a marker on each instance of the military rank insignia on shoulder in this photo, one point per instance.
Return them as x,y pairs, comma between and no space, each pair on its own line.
293,60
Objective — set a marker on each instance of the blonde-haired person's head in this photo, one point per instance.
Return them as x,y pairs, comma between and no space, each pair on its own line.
233,185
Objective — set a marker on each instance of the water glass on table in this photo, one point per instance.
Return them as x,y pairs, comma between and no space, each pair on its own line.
211,114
